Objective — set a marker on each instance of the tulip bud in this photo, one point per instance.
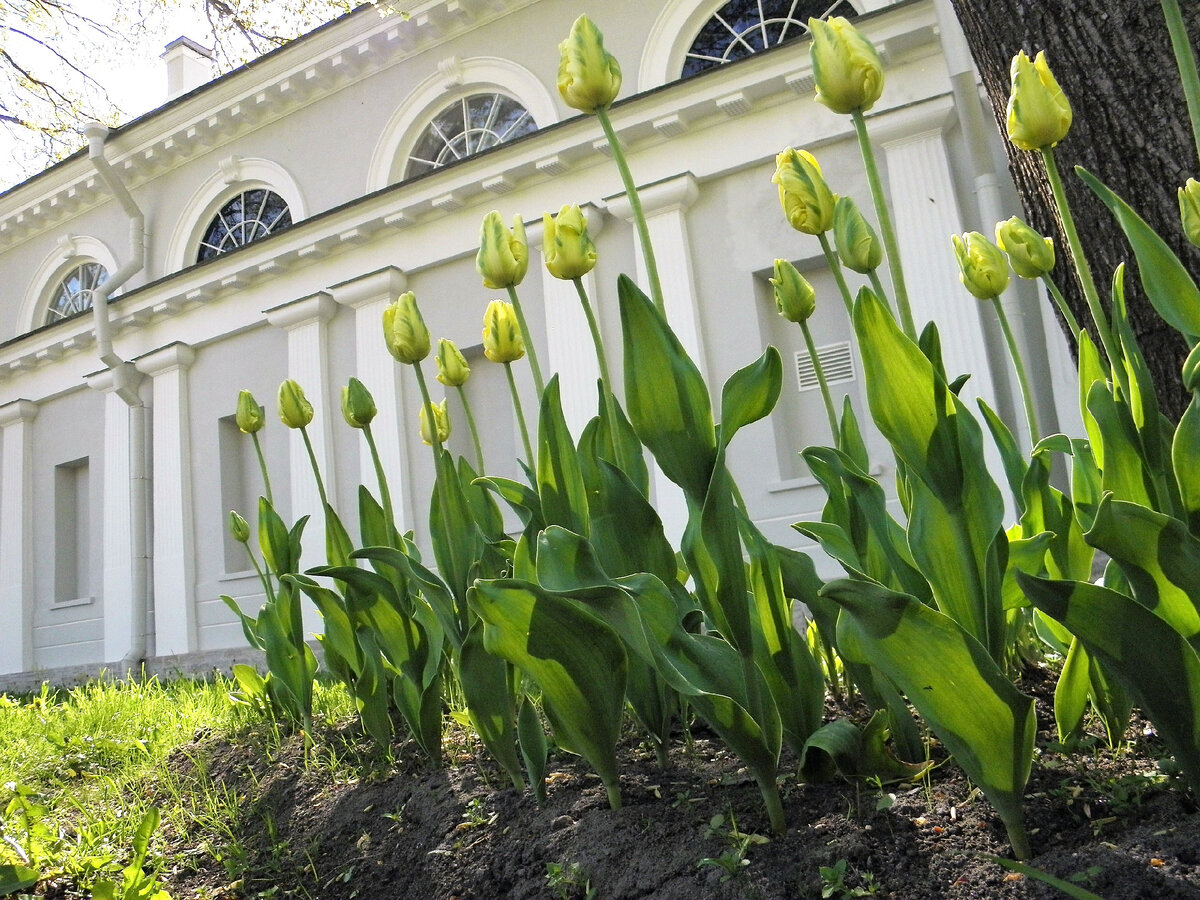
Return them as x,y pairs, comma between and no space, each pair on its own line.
589,77
238,527
404,330
294,409
250,417
502,341
452,367
358,406
983,267
845,65
805,197
1191,370
566,245
1189,210
1030,254
1039,114
441,417
794,296
857,244
503,254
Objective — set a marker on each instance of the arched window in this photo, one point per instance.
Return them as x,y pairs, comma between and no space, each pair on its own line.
73,293
250,215
466,127
742,27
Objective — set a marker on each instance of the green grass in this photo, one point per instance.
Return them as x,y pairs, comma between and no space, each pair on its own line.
80,768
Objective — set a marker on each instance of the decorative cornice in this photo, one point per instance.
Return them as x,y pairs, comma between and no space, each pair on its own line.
177,355
318,307
671,194
387,282
17,411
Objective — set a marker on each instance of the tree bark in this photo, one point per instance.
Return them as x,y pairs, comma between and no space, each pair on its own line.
1113,59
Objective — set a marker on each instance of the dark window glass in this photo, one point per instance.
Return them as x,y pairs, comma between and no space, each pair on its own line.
742,27
74,293
247,217
468,126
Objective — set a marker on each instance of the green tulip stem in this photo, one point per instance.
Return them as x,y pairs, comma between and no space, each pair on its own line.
528,337
264,577
312,458
885,223
1061,302
1022,377
262,464
384,494
466,405
430,417
878,288
835,266
516,398
610,413
1082,269
635,204
1185,58
830,411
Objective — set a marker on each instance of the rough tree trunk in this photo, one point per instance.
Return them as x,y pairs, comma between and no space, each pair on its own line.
1113,59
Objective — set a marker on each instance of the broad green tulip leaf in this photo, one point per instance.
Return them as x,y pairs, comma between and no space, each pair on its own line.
841,747
373,524
484,510
952,681
1160,558
1010,452
338,545
1092,369
627,533
1047,509
1071,692
249,623
534,748
850,439
1157,665
521,497
750,394
665,395
290,662
434,591
16,878
339,637
249,681
275,541
452,532
1123,468
625,451
575,658
370,691
782,653
1026,555
559,479
1185,458
1164,278
1086,483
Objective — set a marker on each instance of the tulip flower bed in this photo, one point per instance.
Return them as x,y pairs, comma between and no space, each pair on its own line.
588,627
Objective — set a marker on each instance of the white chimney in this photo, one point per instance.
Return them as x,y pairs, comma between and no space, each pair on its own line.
189,65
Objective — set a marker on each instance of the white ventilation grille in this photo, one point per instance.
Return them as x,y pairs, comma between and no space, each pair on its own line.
837,362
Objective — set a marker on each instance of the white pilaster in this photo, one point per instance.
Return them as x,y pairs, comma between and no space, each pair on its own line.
305,320
174,529
16,537
665,205
368,296
926,214
569,339
117,579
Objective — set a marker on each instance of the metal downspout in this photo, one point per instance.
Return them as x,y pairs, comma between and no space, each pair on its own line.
126,379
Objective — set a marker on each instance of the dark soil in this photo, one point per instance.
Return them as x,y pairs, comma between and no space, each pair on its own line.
1107,821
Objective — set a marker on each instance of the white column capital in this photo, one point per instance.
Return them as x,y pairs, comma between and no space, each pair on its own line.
675,193
17,411
318,307
388,282
913,124
177,355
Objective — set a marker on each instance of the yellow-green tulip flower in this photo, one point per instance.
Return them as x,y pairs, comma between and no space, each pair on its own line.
503,255
566,244
846,66
294,409
1030,254
794,296
452,367
857,244
404,330
589,77
441,416
358,406
1039,114
983,267
805,197
1189,210
502,340
250,417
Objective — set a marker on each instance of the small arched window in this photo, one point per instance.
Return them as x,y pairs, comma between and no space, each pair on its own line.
466,127
248,216
73,294
742,27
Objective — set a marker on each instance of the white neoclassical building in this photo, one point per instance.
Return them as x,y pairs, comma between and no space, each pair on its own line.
253,228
